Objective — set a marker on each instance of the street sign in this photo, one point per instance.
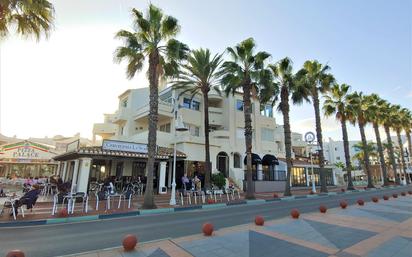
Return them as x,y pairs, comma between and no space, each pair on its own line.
310,137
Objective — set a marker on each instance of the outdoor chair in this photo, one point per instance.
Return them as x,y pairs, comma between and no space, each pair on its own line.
11,204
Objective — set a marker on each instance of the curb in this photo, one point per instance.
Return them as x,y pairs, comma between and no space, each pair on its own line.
77,219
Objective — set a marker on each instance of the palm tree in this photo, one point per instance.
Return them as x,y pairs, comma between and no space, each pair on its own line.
388,119
243,73
319,81
336,102
152,39
286,84
200,74
408,127
362,152
28,17
398,125
375,115
358,106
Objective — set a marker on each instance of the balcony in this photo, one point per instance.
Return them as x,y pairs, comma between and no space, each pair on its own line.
215,116
105,130
165,109
120,116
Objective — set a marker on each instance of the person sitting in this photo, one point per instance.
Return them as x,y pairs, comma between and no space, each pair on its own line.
185,182
198,183
29,199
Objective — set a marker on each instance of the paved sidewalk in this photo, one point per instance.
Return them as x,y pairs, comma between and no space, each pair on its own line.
382,229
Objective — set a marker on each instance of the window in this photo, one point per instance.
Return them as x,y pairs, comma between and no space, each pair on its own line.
193,130
338,158
267,134
124,103
165,128
239,105
336,148
267,111
122,130
298,176
236,160
191,104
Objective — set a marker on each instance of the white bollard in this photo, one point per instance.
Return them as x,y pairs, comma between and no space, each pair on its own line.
214,194
195,198
203,197
181,198
189,200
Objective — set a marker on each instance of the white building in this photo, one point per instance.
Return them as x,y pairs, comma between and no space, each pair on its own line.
129,123
335,153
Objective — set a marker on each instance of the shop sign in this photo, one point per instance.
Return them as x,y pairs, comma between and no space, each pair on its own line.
113,145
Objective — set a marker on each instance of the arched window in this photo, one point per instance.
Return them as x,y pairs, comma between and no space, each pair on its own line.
236,160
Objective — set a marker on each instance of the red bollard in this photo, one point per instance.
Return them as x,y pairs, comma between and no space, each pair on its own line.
129,242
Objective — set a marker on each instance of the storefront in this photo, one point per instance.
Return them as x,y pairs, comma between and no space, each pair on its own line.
26,159
122,161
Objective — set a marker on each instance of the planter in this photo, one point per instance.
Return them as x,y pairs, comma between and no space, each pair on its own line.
259,220
210,201
395,195
207,229
295,213
360,202
410,192
385,197
323,209
63,213
343,204
375,199
403,193
129,242
15,253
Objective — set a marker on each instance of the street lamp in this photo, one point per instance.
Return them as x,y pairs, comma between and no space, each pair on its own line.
179,126
310,138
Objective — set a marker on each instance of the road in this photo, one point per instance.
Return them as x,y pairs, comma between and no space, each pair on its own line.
62,239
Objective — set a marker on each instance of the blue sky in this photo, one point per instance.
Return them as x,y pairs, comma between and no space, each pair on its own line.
72,78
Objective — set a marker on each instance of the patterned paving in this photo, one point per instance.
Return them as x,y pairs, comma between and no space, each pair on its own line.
381,229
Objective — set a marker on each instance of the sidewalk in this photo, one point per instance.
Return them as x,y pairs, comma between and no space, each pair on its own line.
380,229
43,207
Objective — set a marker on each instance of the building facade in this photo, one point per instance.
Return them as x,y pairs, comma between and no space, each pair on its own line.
227,144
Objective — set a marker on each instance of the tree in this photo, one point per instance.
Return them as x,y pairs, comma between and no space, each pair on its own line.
200,75
336,103
375,115
398,125
285,85
407,126
362,151
243,73
28,17
358,107
319,81
152,39
388,119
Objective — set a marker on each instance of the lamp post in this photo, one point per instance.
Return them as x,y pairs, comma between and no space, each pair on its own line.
310,138
178,127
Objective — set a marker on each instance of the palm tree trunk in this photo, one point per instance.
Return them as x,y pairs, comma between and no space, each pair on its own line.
408,136
391,153
207,144
347,153
148,202
398,133
366,154
381,156
323,187
284,95
247,106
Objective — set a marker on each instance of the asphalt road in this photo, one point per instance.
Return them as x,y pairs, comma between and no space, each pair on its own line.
62,239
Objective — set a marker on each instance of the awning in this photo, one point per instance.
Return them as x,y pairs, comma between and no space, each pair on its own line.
255,159
269,160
